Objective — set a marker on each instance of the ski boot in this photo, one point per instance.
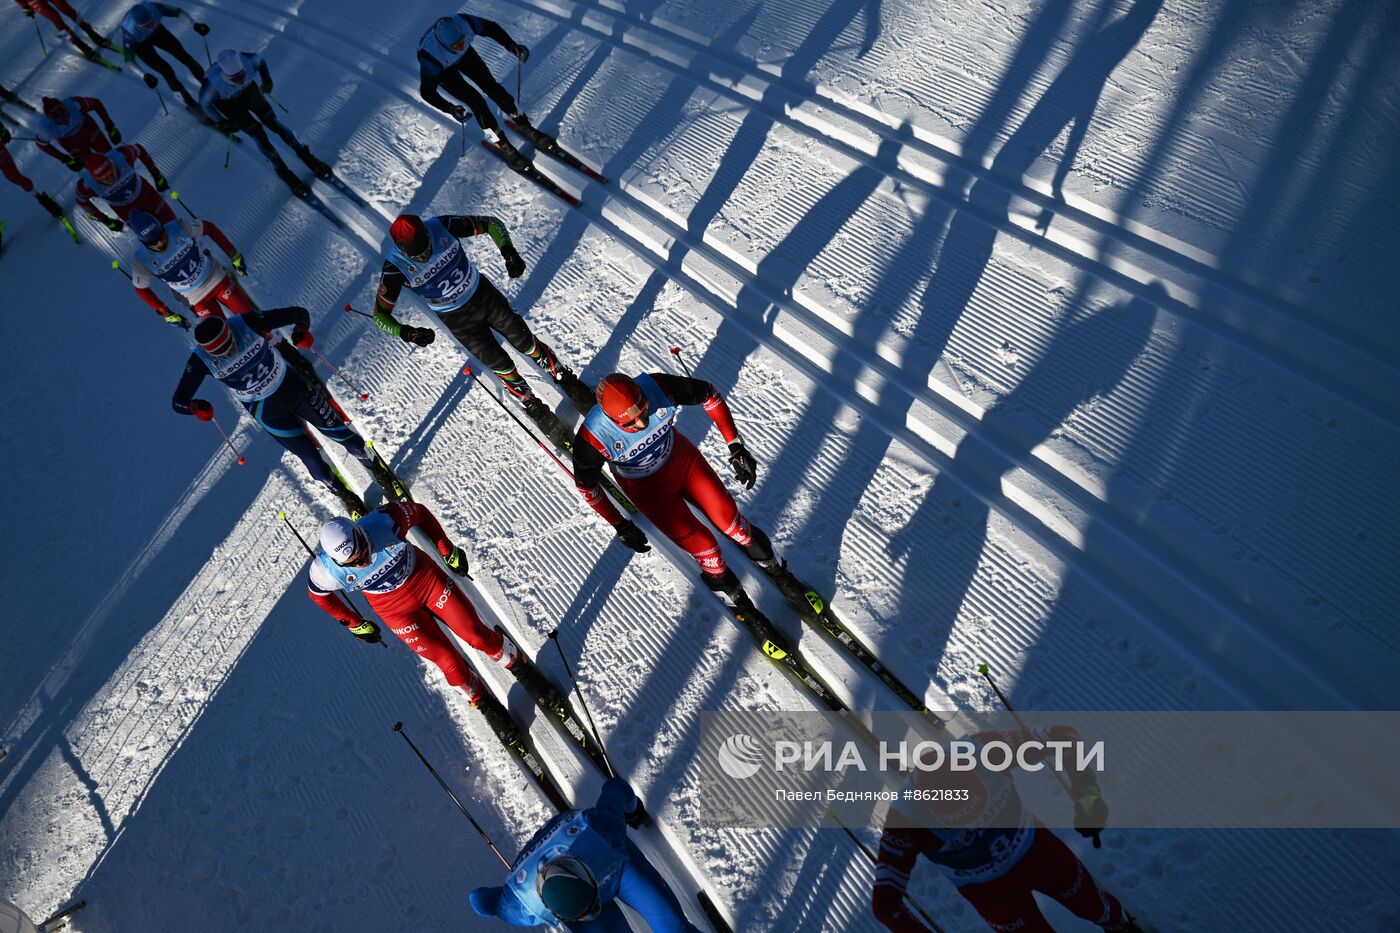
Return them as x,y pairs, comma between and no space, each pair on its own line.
497,718
578,392
97,38
85,50
354,505
299,188
191,103
510,656
760,551
549,423
394,490
516,161
318,168
539,139
727,584
49,204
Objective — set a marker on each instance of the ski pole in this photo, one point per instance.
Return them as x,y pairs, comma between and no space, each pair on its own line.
277,102
42,48
462,149
237,457
519,70
398,727
345,596
207,57
467,371
351,309
228,149
364,396
175,196
1064,781
933,924
676,352
597,736
161,97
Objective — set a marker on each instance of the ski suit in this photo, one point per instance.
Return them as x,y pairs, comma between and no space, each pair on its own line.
245,107
279,398
51,10
190,271
12,172
129,192
466,301
410,593
597,837
78,134
661,471
995,864
440,68
144,41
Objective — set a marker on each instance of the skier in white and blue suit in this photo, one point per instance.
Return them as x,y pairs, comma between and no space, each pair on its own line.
578,866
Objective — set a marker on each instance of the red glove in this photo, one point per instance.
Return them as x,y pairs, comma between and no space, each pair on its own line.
202,410
301,337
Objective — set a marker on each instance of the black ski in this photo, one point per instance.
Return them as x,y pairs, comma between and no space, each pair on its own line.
59,920
511,736
787,660
347,191
534,174
320,207
816,612
394,488
555,705
712,913
548,145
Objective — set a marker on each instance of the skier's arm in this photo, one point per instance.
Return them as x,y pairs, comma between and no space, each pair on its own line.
52,150
93,105
189,384
141,279
490,29
429,76
685,391
893,866
616,800
83,196
410,515
291,316
464,225
264,76
208,228
391,283
144,156
321,587
588,476
12,172
209,102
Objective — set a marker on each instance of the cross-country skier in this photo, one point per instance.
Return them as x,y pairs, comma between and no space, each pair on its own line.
54,11
406,588
234,100
277,397
447,62
172,252
577,868
114,178
633,429
68,132
993,850
144,36
13,174
429,257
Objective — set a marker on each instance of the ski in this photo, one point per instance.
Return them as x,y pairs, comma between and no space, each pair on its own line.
67,224
323,209
9,119
344,189
59,920
534,174
552,149
555,705
786,660
815,611
96,58
394,488
712,913
501,723
99,39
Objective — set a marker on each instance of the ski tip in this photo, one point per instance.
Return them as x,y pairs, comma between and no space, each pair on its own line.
982,668
554,634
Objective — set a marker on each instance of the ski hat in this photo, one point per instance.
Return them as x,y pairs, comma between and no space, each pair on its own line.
5,136
100,167
344,542
214,336
54,109
568,888
410,235
450,33
231,64
146,227
617,394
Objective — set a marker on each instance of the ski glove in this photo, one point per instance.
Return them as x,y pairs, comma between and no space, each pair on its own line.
515,264
420,336
175,318
114,134
1090,813
632,536
28,12
744,464
302,337
73,164
201,29
637,817
459,113
150,80
111,223
161,182
366,631
240,263
202,409
522,52
456,559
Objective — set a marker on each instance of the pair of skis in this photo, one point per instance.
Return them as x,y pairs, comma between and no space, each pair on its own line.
548,145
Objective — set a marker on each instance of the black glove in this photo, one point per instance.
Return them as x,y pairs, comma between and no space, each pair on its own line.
161,183
419,336
201,29
150,80
515,263
638,816
114,134
366,631
521,52
459,113
28,12
226,127
632,536
113,224
456,561
73,164
1090,813
745,466
266,86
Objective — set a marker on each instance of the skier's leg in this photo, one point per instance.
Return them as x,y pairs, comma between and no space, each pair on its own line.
166,41
1058,872
477,73
446,601
146,54
644,890
453,83
262,110
468,324
660,498
232,296
412,622
704,488
44,9
315,409
272,416
509,324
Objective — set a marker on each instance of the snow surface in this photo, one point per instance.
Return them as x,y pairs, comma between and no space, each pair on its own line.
1065,334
